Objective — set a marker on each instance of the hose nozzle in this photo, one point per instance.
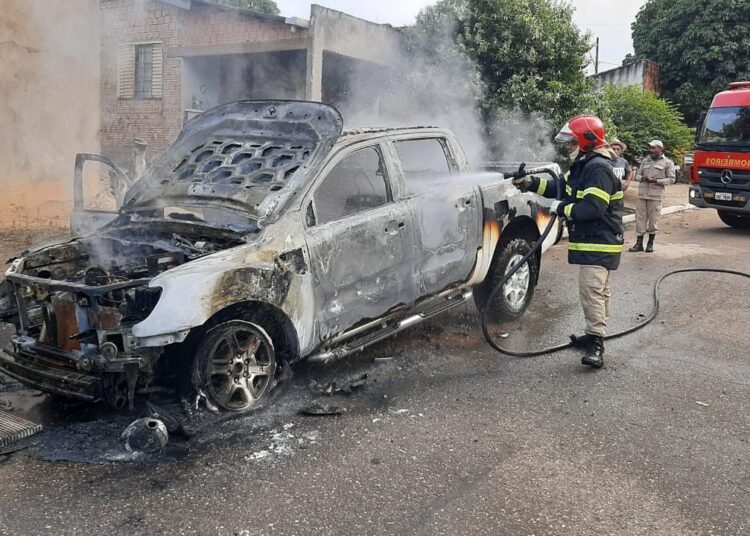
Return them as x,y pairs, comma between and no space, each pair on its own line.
523,172
520,173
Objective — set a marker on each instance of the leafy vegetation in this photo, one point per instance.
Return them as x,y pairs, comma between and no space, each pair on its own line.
527,53
699,45
640,116
268,7
523,66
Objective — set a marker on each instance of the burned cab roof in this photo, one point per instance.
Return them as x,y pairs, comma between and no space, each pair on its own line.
240,155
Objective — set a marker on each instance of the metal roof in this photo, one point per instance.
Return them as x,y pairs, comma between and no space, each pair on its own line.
379,130
738,94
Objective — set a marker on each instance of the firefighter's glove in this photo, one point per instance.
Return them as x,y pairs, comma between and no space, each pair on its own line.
558,207
523,183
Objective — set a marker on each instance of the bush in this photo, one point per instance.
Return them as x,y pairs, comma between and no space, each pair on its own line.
640,116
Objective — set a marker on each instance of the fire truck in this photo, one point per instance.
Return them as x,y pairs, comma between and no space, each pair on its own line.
720,174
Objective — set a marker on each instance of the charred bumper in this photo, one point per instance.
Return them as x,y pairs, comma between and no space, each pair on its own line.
70,373
44,370
70,337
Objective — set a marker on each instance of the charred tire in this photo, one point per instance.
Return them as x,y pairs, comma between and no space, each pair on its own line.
234,365
733,219
511,302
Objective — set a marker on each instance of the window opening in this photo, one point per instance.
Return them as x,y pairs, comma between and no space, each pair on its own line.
357,183
144,71
423,162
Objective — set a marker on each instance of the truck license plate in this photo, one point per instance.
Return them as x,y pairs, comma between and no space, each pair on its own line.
723,196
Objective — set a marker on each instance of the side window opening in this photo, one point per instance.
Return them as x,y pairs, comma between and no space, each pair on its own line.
423,162
357,183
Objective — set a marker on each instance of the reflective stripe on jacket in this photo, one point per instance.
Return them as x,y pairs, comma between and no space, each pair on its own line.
593,208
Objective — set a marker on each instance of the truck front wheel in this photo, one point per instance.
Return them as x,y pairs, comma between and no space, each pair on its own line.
511,302
733,219
235,365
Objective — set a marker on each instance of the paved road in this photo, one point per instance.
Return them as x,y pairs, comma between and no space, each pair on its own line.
449,438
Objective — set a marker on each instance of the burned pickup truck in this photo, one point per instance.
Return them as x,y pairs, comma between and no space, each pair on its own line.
265,234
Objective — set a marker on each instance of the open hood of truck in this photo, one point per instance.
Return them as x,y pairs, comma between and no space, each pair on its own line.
246,156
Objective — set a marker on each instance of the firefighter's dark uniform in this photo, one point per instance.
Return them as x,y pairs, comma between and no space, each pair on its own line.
592,207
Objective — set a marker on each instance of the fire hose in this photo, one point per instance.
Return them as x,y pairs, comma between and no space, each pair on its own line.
523,172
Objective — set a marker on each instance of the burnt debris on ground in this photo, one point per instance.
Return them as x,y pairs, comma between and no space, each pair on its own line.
93,433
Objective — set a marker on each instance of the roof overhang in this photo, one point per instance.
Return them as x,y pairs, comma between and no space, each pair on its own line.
188,4
279,45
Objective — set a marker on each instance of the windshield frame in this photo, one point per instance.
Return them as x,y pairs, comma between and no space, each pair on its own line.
187,203
723,113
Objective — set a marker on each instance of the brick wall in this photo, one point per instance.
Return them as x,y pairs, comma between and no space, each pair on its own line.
643,73
651,77
159,121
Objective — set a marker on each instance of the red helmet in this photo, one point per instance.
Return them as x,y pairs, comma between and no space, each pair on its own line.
587,130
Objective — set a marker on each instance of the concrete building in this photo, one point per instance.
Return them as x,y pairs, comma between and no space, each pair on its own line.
163,61
643,73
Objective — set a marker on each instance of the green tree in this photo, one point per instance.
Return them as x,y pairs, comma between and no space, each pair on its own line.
520,60
268,7
528,54
629,58
699,45
641,116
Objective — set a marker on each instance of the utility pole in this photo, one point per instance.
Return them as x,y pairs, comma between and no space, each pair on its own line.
596,61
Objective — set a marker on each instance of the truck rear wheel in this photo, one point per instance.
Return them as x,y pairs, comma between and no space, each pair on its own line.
511,302
733,219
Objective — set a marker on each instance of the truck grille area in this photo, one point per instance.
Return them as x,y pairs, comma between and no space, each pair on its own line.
49,374
71,334
711,177
70,316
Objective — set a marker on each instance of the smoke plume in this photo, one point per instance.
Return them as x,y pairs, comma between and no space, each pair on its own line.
436,83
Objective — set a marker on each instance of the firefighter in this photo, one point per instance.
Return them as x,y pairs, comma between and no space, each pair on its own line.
655,174
592,208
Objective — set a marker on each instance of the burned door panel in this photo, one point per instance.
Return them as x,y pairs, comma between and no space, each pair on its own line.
446,211
446,237
362,267
360,243
84,220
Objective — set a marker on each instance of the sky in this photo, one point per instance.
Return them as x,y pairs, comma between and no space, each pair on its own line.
607,19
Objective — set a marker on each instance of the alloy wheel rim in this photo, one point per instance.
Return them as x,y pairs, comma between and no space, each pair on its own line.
516,287
240,367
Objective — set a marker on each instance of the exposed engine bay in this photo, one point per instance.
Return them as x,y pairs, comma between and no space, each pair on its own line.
76,302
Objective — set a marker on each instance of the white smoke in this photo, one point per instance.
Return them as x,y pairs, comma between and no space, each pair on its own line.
435,83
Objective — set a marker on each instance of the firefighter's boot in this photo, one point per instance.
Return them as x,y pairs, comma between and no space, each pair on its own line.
638,244
650,245
580,341
594,353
